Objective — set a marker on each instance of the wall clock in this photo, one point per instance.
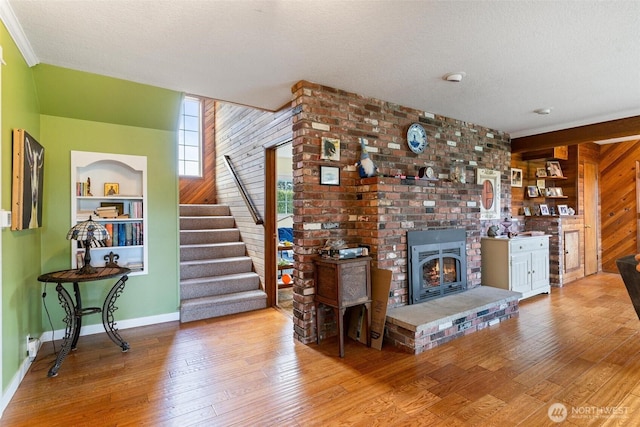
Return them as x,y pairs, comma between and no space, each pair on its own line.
416,138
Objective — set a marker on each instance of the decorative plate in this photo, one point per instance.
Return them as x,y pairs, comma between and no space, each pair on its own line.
416,138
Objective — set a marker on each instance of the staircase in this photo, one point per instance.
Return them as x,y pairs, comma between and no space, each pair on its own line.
216,275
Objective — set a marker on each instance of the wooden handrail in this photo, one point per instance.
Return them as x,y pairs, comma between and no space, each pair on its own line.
252,208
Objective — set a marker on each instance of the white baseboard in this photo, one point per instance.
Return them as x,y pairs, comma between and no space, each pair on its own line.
120,324
12,387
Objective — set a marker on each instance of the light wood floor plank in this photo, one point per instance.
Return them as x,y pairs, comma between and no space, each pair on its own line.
578,346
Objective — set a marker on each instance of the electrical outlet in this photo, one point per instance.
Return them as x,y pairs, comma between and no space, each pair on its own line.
33,346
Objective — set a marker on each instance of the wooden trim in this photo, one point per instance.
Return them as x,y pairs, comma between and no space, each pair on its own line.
595,132
270,213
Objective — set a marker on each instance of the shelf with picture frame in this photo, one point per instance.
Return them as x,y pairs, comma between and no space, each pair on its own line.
115,184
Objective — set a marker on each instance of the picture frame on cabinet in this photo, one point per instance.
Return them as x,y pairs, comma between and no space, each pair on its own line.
111,188
532,191
554,192
329,175
516,177
526,210
544,209
541,184
554,168
541,172
563,210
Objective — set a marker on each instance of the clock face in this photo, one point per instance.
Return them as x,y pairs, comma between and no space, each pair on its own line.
416,138
430,174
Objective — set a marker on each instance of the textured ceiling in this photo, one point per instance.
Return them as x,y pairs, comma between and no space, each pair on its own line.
579,58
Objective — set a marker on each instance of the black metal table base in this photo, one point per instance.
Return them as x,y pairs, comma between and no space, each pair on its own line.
73,319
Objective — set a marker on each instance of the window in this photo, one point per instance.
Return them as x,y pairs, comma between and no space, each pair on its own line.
285,197
190,138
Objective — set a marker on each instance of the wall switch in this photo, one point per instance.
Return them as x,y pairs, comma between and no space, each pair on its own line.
5,218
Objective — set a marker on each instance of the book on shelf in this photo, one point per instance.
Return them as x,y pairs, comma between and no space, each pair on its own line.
83,215
109,228
107,212
83,189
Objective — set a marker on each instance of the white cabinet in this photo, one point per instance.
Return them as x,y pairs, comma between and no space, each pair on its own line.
520,264
99,180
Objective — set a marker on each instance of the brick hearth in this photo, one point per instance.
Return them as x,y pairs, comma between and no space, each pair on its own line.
420,327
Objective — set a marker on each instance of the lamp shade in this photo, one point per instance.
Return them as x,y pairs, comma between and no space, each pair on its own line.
87,231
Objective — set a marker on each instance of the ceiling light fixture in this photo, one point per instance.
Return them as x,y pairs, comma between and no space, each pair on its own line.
454,77
543,111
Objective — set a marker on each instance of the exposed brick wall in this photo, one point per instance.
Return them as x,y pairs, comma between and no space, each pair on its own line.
379,211
556,227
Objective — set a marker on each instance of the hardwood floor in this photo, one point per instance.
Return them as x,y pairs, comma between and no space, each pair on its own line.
579,347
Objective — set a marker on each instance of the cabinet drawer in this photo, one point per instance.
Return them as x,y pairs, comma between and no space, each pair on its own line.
528,244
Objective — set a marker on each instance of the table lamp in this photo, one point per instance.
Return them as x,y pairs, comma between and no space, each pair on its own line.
86,232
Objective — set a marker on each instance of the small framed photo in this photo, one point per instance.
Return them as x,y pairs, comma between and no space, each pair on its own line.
330,149
329,175
516,177
563,210
554,168
111,188
544,209
526,210
541,172
532,191
554,192
541,183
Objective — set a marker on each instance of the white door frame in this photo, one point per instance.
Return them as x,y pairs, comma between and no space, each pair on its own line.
1,387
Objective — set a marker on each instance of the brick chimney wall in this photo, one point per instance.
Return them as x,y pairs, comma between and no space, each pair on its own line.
378,211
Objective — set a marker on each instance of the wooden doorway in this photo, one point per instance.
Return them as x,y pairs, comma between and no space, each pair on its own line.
275,171
590,218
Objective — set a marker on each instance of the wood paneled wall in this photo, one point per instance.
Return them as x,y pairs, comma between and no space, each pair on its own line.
242,133
202,190
618,200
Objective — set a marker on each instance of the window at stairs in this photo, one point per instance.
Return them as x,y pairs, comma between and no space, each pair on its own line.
190,138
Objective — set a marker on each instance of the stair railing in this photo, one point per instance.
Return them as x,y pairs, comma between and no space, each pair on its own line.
250,205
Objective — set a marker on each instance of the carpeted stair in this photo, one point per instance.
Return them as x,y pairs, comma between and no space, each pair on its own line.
216,275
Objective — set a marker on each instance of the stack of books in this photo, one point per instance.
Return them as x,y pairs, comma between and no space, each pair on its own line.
107,212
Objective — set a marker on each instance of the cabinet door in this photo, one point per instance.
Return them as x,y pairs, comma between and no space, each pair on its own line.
520,272
539,268
571,250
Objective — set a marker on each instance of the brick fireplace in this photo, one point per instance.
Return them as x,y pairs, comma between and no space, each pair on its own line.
379,211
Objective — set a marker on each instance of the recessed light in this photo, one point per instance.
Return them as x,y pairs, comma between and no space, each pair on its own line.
543,111
454,77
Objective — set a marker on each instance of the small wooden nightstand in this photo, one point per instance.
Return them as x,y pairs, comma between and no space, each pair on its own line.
341,284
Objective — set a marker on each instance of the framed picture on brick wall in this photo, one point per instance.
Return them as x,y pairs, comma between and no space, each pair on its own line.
329,175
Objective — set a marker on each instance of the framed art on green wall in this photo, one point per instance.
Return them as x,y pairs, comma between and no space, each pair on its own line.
27,181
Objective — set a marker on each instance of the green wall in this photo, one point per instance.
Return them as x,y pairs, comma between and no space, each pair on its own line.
21,259
68,110
145,295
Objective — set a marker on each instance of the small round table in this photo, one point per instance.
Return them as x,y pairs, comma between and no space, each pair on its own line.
74,310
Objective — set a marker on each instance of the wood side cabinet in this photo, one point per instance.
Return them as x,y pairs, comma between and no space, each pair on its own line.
341,284
520,264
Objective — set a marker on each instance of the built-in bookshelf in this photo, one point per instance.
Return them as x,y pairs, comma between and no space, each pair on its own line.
112,190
